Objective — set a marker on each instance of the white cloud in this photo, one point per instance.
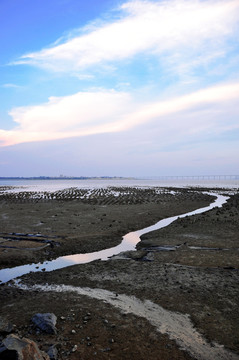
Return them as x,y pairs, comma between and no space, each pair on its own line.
11,86
80,114
75,112
156,27
88,113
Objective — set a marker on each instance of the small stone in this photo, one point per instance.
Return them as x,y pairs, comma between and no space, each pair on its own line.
52,352
62,318
111,341
149,256
6,326
73,331
74,348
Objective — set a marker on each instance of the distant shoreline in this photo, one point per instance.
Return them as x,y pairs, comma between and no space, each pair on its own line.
66,178
163,177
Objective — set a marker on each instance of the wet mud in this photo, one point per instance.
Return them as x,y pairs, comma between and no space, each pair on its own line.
198,278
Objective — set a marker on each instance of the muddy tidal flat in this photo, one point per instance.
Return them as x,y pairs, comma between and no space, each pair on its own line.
175,297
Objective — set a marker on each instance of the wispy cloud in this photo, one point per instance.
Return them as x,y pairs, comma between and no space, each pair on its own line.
11,86
88,113
160,28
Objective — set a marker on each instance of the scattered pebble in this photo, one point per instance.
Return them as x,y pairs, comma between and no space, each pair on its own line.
74,348
106,349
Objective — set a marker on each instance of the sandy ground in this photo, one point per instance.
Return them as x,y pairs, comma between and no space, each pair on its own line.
202,283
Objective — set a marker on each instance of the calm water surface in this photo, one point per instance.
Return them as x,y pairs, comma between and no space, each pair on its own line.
54,185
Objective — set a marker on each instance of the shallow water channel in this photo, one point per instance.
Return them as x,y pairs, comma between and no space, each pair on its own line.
128,243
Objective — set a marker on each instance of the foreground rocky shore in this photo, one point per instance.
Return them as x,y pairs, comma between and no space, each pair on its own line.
190,267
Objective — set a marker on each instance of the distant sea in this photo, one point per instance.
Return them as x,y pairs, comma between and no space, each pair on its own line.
60,184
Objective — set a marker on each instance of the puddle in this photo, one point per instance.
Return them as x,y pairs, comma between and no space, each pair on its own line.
176,247
208,248
128,243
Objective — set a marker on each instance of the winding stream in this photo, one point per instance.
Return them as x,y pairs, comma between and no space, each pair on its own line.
128,243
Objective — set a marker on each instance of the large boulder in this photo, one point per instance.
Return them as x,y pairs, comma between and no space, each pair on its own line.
45,322
14,348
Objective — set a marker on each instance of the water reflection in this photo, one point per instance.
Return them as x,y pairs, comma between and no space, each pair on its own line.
128,243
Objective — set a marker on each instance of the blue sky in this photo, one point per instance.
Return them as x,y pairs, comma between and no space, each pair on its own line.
127,88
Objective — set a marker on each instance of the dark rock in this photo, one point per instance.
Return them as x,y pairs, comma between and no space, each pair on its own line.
45,322
149,256
136,255
5,326
14,348
52,352
2,349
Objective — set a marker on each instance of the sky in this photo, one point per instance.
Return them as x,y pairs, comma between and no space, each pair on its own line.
119,88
